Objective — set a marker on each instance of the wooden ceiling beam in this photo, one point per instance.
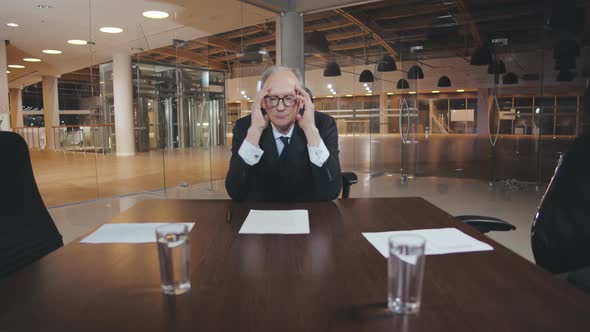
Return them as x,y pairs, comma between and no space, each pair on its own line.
370,28
339,23
354,45
200,59
396,13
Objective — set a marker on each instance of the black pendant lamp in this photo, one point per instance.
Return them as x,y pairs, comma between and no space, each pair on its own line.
482,56
366,76
497,67
510,78
444,82
332,69
565,76
388,64
403,84
415,73
315,43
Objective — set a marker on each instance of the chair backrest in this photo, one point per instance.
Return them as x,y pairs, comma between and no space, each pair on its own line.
560,236
27,231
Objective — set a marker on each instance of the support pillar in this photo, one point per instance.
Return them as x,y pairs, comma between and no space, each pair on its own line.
123,100
50,110
4,106
16,107
290,41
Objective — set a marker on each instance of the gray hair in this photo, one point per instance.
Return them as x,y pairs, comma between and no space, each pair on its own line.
275,69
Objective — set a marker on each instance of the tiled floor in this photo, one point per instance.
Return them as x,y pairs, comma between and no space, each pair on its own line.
515,204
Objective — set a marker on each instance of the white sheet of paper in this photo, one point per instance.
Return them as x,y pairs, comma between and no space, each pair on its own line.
127,233
276,222
438,241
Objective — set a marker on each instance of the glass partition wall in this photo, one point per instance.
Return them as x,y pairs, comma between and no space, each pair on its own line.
406,103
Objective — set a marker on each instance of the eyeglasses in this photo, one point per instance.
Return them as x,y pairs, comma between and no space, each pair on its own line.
273,101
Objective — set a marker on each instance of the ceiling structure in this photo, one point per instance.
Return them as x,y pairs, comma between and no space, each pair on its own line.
217,34
362,34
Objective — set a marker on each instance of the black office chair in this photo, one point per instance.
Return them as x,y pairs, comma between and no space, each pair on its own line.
486,224
27,231
348,179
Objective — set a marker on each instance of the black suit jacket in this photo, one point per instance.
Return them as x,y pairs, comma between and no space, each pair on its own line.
291,176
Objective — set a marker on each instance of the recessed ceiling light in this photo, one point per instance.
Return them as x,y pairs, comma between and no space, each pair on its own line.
435,91
460,90
51,51
412,92
329,86
32,60
330,96
389,93
348,95
77,42
155,14
368,94
16,66
12,25
111,30
8,71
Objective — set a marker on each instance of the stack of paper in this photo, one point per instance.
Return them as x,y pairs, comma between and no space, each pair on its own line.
127,233
276,222
438,241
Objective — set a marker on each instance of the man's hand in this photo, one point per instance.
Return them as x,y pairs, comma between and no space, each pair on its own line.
259,120
307,120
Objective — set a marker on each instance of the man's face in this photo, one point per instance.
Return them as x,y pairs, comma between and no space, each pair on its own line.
282,85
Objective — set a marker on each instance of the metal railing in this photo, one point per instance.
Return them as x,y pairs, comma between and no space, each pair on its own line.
34,136
96,138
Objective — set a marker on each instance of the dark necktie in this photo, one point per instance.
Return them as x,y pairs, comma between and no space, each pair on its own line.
285,141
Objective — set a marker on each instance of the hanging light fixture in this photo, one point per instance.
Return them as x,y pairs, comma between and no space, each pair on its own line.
315,43
332,69
403,84
444,82
510,78
481,56
250,54
415,73
366,76
388,64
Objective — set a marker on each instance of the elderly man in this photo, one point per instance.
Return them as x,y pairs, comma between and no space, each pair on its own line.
284,150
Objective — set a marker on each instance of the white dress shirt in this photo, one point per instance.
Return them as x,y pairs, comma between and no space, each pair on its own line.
251,154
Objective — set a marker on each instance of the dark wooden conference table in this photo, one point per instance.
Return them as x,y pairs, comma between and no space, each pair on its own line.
329,280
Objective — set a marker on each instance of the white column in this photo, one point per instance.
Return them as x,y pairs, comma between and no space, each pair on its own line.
50,109
483,105
16,107
4,107
123,100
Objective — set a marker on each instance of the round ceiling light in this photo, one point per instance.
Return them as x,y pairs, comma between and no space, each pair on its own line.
111,30
16,66
8,71
51,51
32,60
12,25
77,42
155,14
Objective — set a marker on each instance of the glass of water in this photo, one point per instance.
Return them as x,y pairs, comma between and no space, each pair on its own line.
405,271
173,251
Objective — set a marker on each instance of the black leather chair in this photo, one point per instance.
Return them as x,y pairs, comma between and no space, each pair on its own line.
486,224
27,231
348,179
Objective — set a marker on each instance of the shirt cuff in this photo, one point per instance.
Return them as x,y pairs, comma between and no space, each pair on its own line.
318,154
250,154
